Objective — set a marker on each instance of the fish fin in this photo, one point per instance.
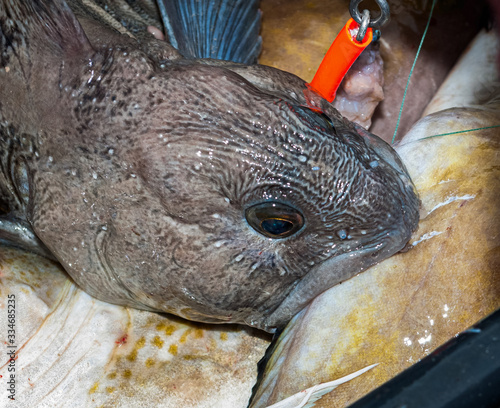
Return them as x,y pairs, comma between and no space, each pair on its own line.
218,29
26,25
307,398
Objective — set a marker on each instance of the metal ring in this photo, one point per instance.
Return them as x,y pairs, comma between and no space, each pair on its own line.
363,26
375,23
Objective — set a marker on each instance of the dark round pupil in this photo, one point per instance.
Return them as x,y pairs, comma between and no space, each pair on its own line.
274,220
276,226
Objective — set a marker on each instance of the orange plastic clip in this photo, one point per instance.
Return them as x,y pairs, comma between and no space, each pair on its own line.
338,59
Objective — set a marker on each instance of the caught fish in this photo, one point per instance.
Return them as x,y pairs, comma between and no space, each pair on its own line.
214,190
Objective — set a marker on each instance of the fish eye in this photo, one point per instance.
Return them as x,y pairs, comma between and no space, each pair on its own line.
274,220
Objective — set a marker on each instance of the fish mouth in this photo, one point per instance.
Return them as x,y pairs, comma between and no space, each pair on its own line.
329,274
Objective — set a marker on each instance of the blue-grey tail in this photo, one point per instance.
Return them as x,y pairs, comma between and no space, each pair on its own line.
219,29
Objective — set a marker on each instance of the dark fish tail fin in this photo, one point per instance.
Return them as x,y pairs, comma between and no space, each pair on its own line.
219,29
33,24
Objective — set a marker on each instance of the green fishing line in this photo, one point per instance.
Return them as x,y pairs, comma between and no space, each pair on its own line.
454,133
411,70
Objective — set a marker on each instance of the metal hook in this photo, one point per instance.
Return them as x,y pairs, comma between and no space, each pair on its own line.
363,26
375,23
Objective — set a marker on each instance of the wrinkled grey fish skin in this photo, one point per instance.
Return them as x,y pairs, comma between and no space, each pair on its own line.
135,167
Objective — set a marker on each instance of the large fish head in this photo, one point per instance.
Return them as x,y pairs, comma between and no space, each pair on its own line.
241,206
217,194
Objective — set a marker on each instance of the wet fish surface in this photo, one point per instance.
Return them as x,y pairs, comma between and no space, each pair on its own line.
214,190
